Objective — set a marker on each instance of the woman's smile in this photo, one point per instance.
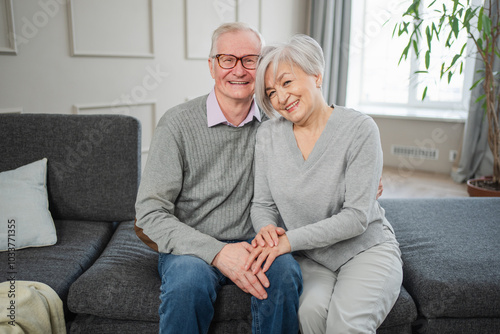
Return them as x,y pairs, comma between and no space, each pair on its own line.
292,106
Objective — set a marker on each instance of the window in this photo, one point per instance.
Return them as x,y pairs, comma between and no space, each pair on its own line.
376,84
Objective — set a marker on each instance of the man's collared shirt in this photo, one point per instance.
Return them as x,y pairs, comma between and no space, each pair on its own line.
215,115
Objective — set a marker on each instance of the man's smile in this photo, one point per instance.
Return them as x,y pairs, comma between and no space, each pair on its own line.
238,82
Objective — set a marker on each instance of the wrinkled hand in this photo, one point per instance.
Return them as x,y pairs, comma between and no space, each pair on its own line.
380,189
231,262
268,234
267,254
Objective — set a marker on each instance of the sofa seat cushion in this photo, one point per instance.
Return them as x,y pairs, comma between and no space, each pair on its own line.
128,268
451,263
404,312
458,326
123,283
85,323
79,244
126,274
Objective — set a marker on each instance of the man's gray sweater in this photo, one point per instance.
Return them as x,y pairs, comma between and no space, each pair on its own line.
197,186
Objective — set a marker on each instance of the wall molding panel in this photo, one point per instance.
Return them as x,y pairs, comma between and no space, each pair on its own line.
203,17
130,35
144,111
7,32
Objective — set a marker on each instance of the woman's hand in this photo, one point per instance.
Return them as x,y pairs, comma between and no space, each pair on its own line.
268,234
267,254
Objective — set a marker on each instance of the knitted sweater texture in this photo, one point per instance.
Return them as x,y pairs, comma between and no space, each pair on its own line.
327,202
197,185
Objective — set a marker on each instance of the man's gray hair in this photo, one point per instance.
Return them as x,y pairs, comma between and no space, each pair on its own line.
301,51
232,27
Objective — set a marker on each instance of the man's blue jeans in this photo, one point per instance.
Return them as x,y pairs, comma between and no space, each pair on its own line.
189,288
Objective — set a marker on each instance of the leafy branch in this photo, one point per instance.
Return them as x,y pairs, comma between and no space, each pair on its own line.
444,23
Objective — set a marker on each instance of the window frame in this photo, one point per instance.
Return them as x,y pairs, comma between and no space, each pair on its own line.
414,107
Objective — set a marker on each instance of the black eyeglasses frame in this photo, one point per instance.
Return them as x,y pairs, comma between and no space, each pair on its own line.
240,59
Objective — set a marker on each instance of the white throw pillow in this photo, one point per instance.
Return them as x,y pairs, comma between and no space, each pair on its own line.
25,219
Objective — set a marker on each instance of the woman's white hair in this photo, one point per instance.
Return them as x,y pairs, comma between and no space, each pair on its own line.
301,51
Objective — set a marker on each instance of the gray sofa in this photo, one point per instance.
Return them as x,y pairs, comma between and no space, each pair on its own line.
108,279
451,261
92,179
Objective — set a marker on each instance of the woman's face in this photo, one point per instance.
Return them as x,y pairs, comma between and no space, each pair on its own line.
294,94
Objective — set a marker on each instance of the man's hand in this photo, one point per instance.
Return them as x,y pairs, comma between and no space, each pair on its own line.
268,234
231,262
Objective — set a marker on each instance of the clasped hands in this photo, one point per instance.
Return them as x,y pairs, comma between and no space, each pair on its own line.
245,264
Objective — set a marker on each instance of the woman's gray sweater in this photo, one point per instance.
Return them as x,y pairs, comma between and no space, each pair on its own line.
327,202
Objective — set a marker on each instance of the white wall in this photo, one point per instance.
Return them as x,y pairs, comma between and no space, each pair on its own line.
444,136
44,77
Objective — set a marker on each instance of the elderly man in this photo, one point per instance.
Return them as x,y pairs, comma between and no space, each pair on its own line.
193,204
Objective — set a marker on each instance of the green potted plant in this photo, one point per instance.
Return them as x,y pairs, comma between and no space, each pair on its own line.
442,22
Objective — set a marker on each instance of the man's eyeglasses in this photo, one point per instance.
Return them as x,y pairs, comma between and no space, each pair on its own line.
228,62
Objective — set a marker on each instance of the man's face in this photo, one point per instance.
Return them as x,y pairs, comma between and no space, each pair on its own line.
236,84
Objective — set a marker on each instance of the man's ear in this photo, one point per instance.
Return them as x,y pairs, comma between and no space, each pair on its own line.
211,67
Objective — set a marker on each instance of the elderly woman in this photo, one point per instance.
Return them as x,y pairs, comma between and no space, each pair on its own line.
317,170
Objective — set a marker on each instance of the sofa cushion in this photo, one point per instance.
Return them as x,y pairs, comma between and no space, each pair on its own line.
128,268
404,312
78,246
451,265
85,323
458,326
93,161
24,208
126,274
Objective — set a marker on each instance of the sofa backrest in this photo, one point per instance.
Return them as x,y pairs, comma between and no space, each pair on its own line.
93,167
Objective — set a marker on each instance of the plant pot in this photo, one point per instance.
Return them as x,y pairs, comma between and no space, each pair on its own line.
483,187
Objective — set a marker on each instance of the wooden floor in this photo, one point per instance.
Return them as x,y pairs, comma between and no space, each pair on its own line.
411,184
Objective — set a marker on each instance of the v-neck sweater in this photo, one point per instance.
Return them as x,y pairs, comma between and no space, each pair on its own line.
326,203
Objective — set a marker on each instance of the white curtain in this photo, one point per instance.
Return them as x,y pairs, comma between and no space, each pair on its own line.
330,27
476,159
